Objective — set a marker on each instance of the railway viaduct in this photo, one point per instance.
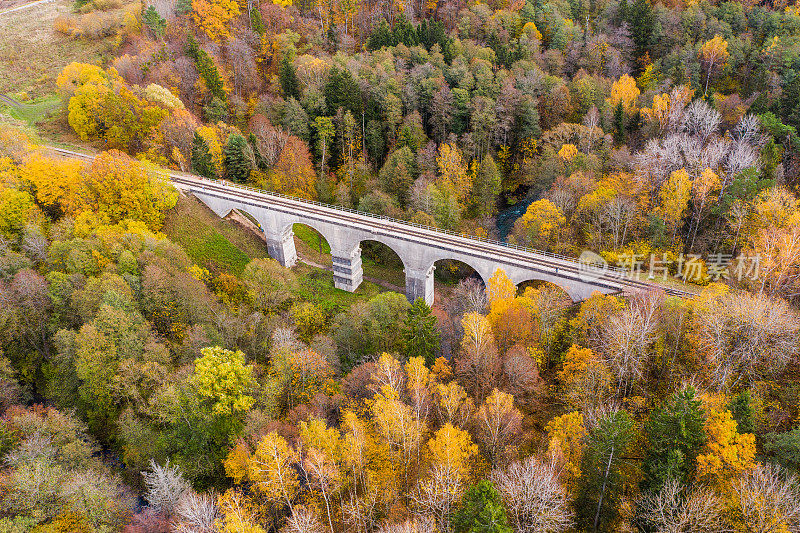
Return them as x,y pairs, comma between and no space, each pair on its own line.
419,247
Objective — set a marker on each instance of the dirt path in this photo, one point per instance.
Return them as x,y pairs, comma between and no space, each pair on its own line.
10,101
18,8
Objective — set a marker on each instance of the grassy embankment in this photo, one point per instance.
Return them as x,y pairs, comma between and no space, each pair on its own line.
226,245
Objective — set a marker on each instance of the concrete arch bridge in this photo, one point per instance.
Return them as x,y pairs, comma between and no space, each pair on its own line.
419,247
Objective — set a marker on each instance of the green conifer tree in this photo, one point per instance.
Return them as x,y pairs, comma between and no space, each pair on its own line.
481,511
288,77
237,160
600,491
201,157
155,22
675,434
420,336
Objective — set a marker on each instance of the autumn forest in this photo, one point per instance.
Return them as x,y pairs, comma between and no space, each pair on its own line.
160,373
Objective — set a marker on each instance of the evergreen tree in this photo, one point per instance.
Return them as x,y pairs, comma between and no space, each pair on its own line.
675,434
331,39
154,22
486,186
432,32
597,504
742,410
421,337
785,448
201,157
481,511
237,162
288,77
215,111
206,68
404,31
342,90
619,123
256,22
641,19
380,37
182,7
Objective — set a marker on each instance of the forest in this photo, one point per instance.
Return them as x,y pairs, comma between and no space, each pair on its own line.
160,373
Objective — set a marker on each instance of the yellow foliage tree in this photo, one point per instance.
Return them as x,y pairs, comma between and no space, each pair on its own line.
584,377
674,195
713,54
452,450
214,16
210,136
624,90
55,182
727,453
116,187
322,447
500,286
540,225
566,435
514,321
16,207
76,75
222,377
453,404
453,171
238,513
498,423
568,152
272,471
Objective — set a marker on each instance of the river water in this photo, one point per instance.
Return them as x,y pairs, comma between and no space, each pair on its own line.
509,214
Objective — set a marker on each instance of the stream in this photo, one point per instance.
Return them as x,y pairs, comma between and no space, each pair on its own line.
509,214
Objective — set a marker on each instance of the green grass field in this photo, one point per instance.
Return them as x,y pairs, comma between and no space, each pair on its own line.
210,241
32,53
34,111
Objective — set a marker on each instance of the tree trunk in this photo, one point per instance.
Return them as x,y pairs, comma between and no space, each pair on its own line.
603,490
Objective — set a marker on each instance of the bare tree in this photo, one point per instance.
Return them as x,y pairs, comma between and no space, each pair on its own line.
270,140
435,497
701,119
746,337
627,338
535,499
196,513
418,525
164,487
674,510
769,499
303,521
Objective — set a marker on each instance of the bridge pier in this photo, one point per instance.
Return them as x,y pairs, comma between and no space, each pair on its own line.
347,270
419,284
280,246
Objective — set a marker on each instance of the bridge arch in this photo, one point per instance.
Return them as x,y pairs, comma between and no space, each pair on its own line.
366,242
449,270
533,279
327,231
534,283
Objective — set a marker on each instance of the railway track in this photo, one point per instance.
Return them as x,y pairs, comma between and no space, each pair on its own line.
566,267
